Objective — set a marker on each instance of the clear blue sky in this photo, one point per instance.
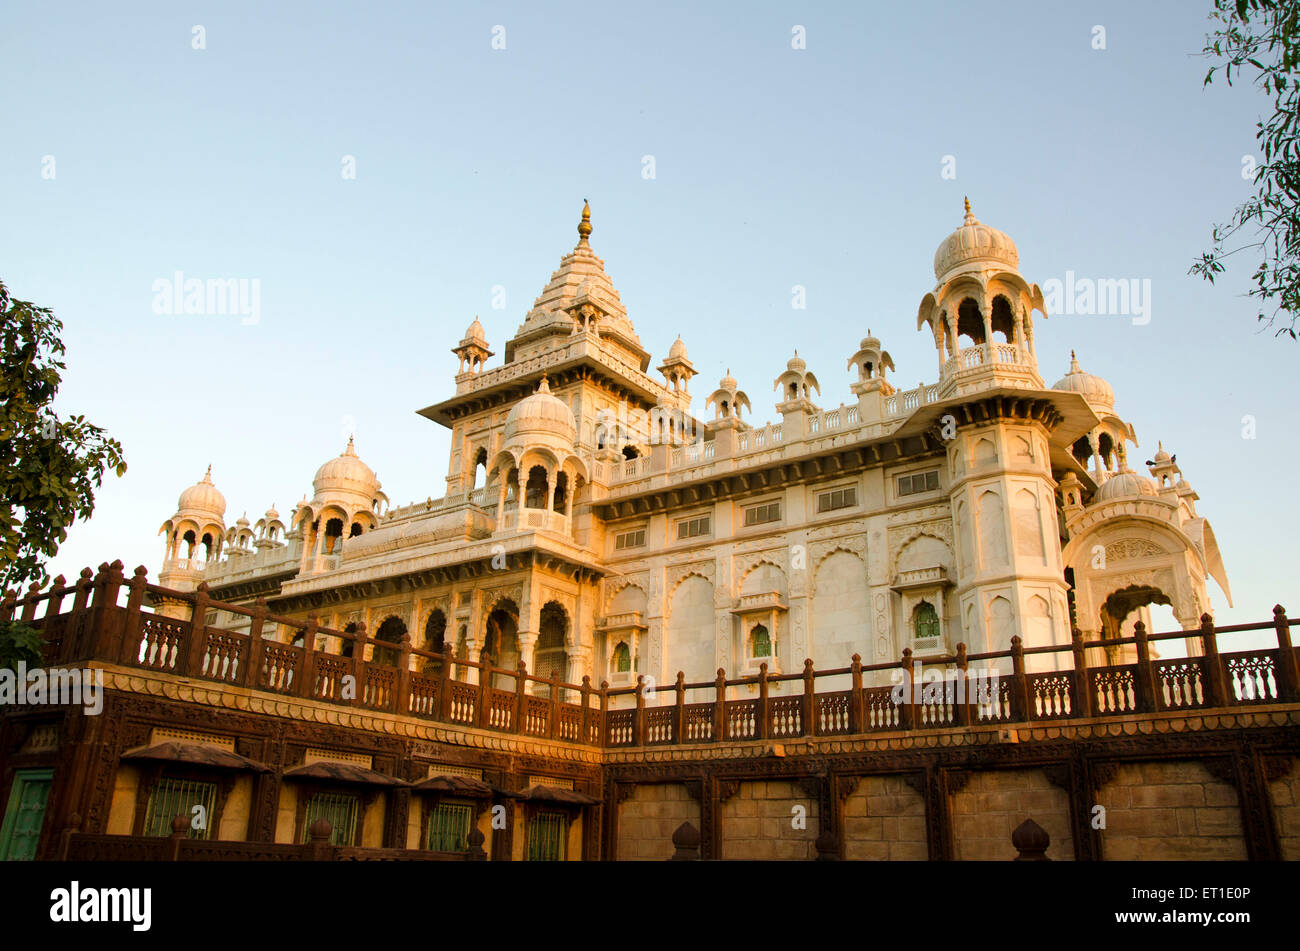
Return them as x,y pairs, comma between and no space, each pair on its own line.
774,167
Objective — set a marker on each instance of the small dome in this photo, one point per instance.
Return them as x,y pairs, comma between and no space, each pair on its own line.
475,331
1092,388
796,363
1126,484
1161,456
242,521
346,473
678,350
271,513
974,244
869,342
203,498
728,382
541,417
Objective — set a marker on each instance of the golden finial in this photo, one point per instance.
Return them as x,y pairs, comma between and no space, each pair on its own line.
967,199
584,226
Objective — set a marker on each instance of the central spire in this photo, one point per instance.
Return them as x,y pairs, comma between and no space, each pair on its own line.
584,226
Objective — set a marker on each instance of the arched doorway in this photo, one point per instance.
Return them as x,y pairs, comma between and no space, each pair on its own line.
435,640
391,631
501,642
1129,605
550,657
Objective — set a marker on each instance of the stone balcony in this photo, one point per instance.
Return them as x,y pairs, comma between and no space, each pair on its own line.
985,365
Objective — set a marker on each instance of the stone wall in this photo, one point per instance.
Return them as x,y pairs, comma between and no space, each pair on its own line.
884,820
648,818
758,823
1173,810
1285,795
993,802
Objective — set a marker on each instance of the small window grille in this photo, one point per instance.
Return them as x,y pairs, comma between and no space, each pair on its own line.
449,826
546,835
339,810
178,797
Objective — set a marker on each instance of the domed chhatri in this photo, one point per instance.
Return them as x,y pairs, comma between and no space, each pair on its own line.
796,364
541,418
346,473
974,246
1125,484
678,349
202,498
475,331
1091,387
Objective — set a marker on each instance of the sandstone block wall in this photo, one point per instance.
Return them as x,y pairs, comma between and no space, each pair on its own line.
884,820
648,818
1169,811
757,823
989,807
1285,794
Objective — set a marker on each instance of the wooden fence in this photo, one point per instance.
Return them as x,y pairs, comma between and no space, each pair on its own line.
97,626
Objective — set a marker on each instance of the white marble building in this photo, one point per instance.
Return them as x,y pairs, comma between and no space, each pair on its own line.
592,525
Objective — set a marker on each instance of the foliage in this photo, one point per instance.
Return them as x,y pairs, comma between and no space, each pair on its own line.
49,467
1265,36
19,642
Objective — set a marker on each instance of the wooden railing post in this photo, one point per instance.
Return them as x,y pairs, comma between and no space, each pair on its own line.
855,698
1083,701
907,709
57,590
8,604
553,714
101,639
809,715
1019,682
1287,662
961,686
521,696
359,641
720,707
131,630
402,693
482,718
29,602
604,714
679,710
252,672
763,724
1216,694
586,710
1148,692
638,722
196,643
306,685
444,688
76,633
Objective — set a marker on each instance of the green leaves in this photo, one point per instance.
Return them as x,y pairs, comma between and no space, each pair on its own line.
1264,34
49,468
19,642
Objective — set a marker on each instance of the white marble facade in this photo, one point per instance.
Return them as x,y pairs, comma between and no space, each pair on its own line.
591,525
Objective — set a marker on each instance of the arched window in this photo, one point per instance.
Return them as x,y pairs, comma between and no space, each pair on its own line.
355,530
346,650
561,489
925,621
435,632
391,631
549,656
629,452
535,490
622,659
333,533
760,642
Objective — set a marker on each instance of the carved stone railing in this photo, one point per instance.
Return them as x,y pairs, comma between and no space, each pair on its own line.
1033,685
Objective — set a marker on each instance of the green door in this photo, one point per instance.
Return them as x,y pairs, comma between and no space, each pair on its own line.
25,815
